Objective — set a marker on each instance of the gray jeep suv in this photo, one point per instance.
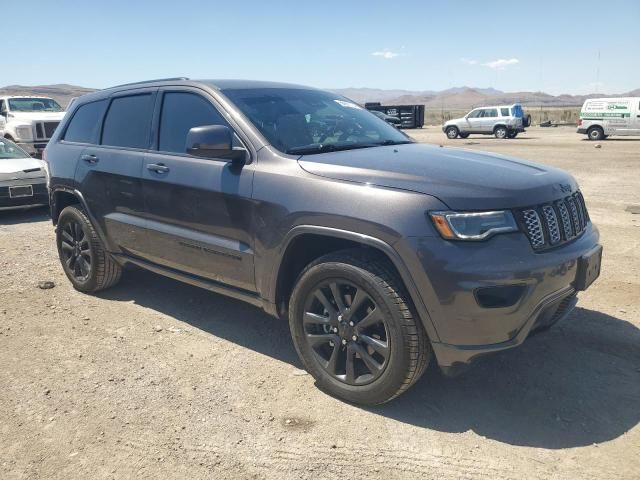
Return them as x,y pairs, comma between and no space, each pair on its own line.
382,253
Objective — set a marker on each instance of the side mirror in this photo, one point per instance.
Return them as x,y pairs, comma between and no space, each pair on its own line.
214,141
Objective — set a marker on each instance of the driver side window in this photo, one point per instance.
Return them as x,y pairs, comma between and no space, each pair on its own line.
475,114
181,111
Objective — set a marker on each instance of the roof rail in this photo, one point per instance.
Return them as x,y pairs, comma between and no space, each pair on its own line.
172,79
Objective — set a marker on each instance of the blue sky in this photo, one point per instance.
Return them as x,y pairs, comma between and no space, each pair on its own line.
417,45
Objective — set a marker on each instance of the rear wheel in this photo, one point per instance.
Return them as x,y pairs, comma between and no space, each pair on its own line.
354,329
512,134
83,258
500,132
596,133
452,132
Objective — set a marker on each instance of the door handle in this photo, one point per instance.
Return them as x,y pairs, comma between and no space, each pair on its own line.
92,159
158,167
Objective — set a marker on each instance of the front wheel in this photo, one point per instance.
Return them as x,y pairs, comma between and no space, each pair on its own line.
83,259
354,329
452,132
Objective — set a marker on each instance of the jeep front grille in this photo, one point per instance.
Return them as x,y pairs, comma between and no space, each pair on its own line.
553,224
44,130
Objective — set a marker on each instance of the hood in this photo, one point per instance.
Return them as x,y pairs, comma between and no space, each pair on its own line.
38,116
462,179
14,168
454,121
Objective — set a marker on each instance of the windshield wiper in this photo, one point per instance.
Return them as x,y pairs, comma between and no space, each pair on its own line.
328,147
394,142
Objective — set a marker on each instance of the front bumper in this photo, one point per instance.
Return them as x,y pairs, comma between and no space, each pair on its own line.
40,194
448,276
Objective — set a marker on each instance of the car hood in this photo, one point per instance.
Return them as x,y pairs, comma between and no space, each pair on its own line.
14,168
454,121
38,116
462,179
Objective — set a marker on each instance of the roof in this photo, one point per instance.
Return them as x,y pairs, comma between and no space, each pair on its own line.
6,97
234,84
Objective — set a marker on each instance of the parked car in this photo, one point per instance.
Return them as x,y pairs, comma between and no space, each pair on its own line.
29,121
503,121
602,117
22,178
395,121
383,254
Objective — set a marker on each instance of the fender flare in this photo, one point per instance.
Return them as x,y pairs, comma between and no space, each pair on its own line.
373,242
76,193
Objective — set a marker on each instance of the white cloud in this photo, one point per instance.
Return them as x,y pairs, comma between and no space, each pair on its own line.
501,63
469,61
386,54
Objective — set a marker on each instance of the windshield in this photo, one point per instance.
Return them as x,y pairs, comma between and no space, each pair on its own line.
9,150
301,121
34,105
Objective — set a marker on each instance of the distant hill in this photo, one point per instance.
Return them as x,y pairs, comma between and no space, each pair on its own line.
461,98
456,98
60,93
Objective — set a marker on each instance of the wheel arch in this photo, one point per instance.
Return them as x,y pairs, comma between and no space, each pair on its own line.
61,197
305,243
498,125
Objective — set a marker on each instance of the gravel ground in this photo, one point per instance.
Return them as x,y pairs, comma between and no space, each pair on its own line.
156,379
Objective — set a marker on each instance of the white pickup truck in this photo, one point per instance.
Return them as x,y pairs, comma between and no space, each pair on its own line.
29,121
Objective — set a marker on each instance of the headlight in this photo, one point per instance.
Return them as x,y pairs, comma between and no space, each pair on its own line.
24,132
474,225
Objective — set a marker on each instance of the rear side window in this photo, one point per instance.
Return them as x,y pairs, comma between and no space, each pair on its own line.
180,113
85,124
128,122
505,112
490,113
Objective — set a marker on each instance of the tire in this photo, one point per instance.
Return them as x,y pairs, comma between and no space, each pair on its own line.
512,134
324,328
595,134
452,132
85,262
527,120
464,135
500,132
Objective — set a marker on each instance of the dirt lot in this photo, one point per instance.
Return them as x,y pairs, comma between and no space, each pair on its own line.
156,379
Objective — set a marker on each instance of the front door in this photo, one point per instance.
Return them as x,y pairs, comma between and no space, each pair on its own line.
198,210
474,120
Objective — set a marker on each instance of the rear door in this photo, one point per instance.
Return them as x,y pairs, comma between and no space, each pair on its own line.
109,174
635,115
489,119
198,210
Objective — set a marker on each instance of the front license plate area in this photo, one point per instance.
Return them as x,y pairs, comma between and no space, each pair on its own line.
588,268
21,191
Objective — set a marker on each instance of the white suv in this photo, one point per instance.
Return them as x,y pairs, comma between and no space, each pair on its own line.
503,121
29,121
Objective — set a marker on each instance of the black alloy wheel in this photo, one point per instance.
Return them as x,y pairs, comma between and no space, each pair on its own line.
76,250
346,331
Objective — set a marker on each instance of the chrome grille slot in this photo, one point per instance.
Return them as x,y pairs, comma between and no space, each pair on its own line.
566,221
552,224
534,228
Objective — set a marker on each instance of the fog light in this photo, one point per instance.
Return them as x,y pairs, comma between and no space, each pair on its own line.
499,296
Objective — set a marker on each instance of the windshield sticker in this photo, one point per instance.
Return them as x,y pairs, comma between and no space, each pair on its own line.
348,104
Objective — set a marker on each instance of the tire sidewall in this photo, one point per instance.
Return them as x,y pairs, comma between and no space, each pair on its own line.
452,129
500,129
389,382
73,214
